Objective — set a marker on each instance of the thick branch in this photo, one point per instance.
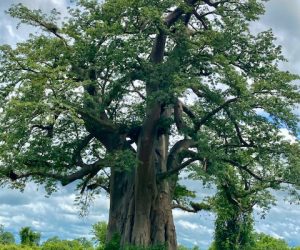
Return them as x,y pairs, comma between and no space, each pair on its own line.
101,185
238,131
48,128
82,144
214,4
201,17
244,167
178,110
50,27
194,207
64,179
103,129
173,157
188,112
212,113
88,169
183,208
157,52
176,169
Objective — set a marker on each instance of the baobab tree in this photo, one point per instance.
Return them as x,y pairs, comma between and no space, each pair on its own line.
123,95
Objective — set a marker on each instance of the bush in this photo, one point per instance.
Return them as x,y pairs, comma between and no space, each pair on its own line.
17,247
267,242
62,245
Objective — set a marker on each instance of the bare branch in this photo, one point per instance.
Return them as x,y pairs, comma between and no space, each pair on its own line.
96,185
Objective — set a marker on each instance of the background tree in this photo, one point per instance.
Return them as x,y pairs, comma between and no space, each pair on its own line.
29,237
267,242
6,237
262,241
99,231
234,222
123,95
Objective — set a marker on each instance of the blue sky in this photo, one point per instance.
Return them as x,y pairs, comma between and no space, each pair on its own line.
57,214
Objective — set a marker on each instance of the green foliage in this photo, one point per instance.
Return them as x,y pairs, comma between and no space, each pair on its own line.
262,241
234,231
123,160
185,248
99,231
233,207
6,238
267,242
77,244
85,243
64,245
114,243
29,237
18,247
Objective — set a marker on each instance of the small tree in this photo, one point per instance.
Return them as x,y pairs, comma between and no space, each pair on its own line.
6,237
29,237
234,222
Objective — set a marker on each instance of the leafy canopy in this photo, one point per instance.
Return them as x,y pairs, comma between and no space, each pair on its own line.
75,90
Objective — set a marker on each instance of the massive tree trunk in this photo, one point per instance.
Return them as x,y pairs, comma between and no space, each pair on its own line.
140,209
140,205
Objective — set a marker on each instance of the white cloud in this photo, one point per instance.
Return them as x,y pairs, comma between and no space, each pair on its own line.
56,215
177,213
287,136
188,225
282,221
